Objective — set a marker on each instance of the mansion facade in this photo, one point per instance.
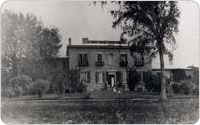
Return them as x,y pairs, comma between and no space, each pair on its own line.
104,63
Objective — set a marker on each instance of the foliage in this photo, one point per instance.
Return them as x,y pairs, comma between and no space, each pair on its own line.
40,87
152,83
74,84
62,82
49,42
5,76
152,23
7,91
22,82
185,87
16,86
58,83
152,26
179,75
26,43
87,96
80,87
134,78
24,85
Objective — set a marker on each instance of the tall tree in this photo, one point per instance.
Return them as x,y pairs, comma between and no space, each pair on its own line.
155,25
49,42
26,42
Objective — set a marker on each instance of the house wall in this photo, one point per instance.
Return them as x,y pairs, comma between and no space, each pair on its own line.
73,54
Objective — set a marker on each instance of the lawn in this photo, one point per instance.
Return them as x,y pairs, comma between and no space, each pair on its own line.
144,111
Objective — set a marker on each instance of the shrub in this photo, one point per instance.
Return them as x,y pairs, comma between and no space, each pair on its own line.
86,96
179,75
184,87
134,79
10,91
41,86
80,87
57,83
19,85
74,84
152,83
195,91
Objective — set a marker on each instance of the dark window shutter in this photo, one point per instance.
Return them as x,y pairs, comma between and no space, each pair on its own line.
86,57
107,78
96,75
104,77
80,57
88,77
119,76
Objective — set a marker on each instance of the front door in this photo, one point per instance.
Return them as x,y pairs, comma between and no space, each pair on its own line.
111,81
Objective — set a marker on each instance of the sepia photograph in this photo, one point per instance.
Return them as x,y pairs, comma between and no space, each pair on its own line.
100,62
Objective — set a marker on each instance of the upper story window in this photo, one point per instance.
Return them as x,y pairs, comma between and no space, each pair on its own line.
123,60
83,59
99,57
99,61
139,60
111,59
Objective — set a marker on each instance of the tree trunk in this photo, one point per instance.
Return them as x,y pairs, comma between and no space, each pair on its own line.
163,86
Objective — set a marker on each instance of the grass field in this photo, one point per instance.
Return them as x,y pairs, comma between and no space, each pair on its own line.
144,111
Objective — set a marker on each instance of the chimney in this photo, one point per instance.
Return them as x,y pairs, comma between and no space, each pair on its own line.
85,40
69,41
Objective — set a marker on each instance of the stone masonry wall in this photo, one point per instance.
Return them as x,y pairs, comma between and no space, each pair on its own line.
73,54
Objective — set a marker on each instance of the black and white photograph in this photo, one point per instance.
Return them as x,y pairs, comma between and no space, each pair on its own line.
100,62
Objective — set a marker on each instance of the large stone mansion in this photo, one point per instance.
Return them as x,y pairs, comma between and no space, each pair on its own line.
104,62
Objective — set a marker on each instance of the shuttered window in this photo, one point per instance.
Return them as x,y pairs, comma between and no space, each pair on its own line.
83,59
99,57
111,59
85,77
99,76
124,77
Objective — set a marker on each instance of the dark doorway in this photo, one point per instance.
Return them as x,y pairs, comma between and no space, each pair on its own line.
111,80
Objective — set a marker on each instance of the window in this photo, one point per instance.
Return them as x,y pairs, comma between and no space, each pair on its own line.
99,61
83,59
99,57
124,77
111,59
99,77
139,61
123,60
85,77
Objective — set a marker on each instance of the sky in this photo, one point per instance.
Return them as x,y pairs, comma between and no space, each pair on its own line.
81,19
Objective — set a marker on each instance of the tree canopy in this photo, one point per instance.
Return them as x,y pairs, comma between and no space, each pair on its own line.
26,43
151,27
